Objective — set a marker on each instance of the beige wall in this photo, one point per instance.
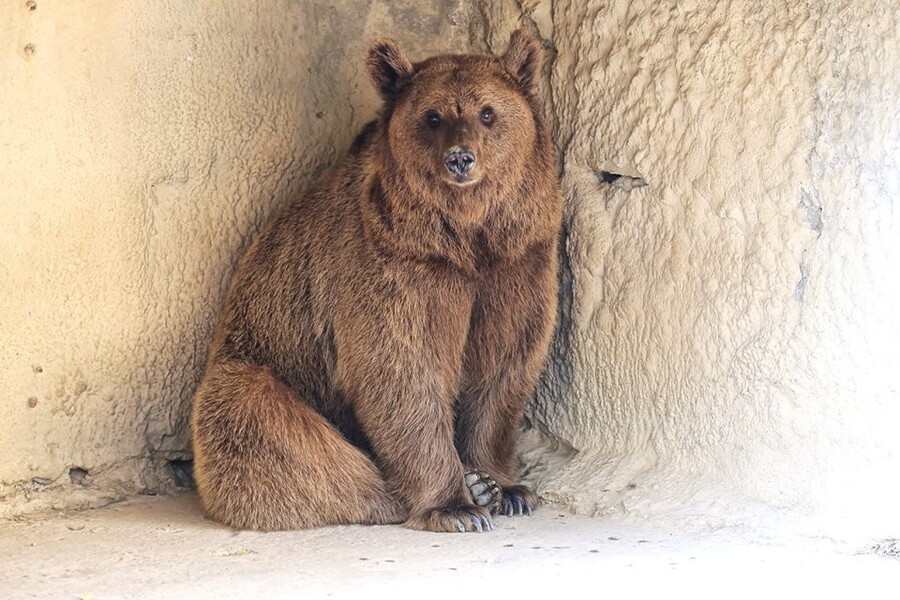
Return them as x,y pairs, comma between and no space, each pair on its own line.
141,145
727,332
732,329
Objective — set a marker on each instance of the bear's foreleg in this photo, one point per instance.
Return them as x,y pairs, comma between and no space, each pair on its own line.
398,362
512,320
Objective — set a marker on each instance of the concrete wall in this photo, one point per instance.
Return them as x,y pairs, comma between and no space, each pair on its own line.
727,331
141,146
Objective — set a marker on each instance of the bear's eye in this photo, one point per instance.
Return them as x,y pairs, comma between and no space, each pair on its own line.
432,119
487,115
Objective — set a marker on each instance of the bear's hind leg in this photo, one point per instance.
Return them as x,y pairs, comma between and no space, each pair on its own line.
265,459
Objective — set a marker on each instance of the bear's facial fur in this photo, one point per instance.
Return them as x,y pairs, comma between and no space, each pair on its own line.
459,123
461,104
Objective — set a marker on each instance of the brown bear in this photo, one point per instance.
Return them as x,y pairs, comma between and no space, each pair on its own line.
381,337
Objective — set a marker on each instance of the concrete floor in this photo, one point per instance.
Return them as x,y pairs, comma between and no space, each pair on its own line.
163,547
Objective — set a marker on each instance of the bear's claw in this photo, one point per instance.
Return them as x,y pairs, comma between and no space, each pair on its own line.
480,523
452,518
517,500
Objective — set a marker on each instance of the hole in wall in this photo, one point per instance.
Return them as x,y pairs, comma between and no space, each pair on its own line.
624,178
608,177
78,476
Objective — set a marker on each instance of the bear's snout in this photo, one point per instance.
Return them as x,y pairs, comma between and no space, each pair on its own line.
459,160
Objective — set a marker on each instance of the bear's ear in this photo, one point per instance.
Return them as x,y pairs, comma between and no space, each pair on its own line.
522,58
388,67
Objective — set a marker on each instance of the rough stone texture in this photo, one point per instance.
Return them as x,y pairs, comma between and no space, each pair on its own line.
141,146
732,327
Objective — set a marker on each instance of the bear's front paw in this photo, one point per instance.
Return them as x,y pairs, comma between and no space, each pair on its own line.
517,500
485,491
459,518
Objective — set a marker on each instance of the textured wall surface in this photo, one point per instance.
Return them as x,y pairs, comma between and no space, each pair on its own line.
141,145
732,328
727,331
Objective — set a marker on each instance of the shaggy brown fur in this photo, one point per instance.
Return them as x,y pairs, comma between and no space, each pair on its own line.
385,331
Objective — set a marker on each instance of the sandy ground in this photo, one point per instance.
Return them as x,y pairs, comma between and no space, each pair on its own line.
163,547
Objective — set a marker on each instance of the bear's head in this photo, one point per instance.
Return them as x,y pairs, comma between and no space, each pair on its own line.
459,121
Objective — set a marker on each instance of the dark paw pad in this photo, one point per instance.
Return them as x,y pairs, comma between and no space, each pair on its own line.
485,491
517,500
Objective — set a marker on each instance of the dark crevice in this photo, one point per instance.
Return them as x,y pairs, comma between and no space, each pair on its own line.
607,177
182,472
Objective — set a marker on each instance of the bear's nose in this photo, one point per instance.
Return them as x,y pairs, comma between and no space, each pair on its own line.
459,160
